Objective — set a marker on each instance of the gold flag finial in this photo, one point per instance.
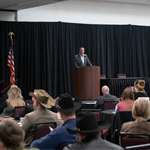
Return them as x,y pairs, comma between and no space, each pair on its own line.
11,33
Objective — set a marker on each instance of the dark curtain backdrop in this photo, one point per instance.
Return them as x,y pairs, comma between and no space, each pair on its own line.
44,53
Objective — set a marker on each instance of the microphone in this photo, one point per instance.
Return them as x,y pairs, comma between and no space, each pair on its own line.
92,63
9,86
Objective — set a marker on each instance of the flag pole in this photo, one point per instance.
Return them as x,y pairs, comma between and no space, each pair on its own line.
10,34
9,86
1,81
10,61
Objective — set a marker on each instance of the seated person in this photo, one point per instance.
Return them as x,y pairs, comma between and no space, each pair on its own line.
134,87
14,99
59,137
12,135
89,132
127,101
41,101
141,113
106,97
5,96
139,90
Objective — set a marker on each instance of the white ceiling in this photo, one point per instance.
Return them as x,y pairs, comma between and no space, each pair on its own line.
23,4
130,1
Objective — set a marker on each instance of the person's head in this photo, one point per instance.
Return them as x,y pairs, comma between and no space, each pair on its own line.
141,108
41,98
14,86
105,89
66,106
128,94
140,85
14,93
87,125
11,135
15,97
81,51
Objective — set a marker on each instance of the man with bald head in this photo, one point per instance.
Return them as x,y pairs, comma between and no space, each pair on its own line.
106,97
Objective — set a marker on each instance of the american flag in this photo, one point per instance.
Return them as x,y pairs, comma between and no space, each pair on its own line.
10,62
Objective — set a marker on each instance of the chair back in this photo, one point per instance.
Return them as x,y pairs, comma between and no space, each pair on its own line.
42,129
121,76
28,102
102,76
18,110
139,147
109,105
119,119
96,112
131,141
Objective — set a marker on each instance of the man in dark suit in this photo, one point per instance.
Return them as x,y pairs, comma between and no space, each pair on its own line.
81,59
105,98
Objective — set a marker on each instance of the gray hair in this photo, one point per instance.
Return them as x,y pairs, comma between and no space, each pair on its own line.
105,89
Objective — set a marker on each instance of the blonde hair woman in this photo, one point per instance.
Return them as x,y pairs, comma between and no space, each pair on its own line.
141,113
14,99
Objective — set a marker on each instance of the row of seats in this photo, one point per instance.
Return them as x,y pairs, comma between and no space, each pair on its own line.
41,129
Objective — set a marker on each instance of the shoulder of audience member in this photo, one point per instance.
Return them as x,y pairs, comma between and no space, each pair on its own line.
73,146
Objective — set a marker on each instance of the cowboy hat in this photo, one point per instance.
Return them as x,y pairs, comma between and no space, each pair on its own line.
66,104
43,98
86,123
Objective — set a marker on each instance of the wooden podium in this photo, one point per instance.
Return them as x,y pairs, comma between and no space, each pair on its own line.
87,83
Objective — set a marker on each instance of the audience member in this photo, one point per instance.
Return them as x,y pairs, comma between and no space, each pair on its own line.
59,137
127,101
12,136
106,97
141,113
5,96
41,101
139,90
89,132
14,99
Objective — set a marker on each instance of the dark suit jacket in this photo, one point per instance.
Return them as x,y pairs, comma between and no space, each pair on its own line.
105,98
28,109
78,62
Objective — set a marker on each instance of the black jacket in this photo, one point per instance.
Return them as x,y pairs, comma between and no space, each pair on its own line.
93,142
78,62
104,98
